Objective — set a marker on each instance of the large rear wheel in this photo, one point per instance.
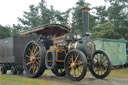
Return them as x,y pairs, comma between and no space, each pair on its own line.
34,58
75,65
101,64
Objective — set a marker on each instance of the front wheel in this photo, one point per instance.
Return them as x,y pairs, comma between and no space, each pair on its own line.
75,65
101,64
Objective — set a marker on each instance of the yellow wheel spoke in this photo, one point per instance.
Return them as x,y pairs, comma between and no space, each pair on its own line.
74,72
81,67
31,67
103,64
72,58
76,56
37,57
29,63
96,59
79,63
79,70
29,50
102,70
104,60
101,58
38,63
35,68
33,47
35,50
37,53
28,56
80,59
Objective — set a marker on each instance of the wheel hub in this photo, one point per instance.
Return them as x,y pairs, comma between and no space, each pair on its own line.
33,59
73,65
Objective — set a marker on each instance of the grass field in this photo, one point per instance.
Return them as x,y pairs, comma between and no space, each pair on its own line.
20,80
119,73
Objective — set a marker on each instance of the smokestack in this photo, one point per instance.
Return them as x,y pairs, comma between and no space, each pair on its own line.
85,17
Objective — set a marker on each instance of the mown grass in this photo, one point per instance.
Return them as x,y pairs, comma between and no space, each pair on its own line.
20,80
119,73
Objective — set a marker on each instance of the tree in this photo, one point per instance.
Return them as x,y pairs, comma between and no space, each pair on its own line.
53,16
77,16
63,17
118,16
30,19
41,15
4,32
102,15
105,30
45,13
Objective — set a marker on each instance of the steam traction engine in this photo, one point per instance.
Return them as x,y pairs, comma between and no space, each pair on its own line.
61,51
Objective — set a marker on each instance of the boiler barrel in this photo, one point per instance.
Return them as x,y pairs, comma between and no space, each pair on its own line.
86,46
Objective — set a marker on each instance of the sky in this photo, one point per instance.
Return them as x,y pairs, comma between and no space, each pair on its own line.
11,9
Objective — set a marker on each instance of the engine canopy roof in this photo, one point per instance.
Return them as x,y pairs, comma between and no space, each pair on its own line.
49,30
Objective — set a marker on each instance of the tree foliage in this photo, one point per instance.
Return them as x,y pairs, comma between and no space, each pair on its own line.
30,19
77,16
117,15
105,30
4,32
41,15
101,14
107,22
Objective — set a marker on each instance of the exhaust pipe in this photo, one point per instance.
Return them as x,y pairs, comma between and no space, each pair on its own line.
85,21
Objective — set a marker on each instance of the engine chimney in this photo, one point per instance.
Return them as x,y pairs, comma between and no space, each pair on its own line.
85,17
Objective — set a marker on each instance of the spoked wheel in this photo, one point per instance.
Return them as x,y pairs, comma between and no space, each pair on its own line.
21,71
3,70
59,72
34,58
101,64
75,65
14,70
